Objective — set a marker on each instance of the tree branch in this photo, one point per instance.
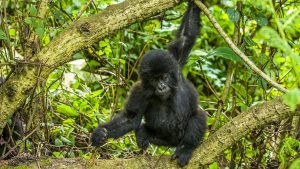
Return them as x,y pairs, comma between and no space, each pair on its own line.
255,117
236,49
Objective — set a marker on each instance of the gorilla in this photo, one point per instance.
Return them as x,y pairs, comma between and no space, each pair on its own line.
162,107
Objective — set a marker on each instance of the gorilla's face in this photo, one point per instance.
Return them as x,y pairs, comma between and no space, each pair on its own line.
159,73
161,85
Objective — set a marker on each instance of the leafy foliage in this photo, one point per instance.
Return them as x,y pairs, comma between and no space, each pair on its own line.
289,149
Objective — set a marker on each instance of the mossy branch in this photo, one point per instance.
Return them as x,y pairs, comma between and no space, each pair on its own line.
253,118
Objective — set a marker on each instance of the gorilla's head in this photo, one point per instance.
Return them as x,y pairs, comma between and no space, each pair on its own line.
159,73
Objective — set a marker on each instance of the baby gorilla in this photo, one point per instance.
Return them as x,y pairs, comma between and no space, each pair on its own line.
164,98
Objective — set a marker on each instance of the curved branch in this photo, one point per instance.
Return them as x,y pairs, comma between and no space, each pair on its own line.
255,117
236,49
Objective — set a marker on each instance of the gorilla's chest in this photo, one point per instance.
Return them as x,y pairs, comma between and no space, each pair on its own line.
160,118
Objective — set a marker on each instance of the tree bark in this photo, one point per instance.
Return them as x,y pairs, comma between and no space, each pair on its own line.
81,34
255,117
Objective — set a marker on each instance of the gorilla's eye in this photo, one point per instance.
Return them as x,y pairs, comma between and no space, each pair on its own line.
165,77
151,80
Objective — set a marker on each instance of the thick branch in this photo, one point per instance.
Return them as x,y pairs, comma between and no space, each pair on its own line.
78,163
236,49
82,34
256,117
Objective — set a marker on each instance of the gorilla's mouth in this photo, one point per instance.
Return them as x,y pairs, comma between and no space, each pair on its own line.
163,93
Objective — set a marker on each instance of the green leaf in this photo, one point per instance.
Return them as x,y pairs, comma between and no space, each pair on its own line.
77,56
58,142
292,99
46,40
12,32
249,41
40,32
263,83
28,21
103,44
65,140
57,154
210,120
261,20
272,37
295,164
71,154
233,14
198,53
93,63
97,93
33,11
226,53
68,122
66,110
87,155
214,165
100,52
3,35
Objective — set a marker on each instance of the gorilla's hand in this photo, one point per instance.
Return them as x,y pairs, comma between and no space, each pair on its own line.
142,142
99,136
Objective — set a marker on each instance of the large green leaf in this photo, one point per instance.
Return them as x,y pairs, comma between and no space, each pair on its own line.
233,14
33,11
226,53
67,110
295,164
261,20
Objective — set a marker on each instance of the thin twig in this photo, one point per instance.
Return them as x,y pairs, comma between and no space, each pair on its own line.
83,10
235,48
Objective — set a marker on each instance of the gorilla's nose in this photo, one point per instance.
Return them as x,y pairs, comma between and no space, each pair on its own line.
161,86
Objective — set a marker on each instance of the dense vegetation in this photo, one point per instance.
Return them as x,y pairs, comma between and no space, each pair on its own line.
92,88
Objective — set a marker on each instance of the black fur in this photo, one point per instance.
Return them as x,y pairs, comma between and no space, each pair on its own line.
167,102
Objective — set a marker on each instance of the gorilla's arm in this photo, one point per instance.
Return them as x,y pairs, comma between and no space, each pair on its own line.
115,128
122,124
128,120
186,35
